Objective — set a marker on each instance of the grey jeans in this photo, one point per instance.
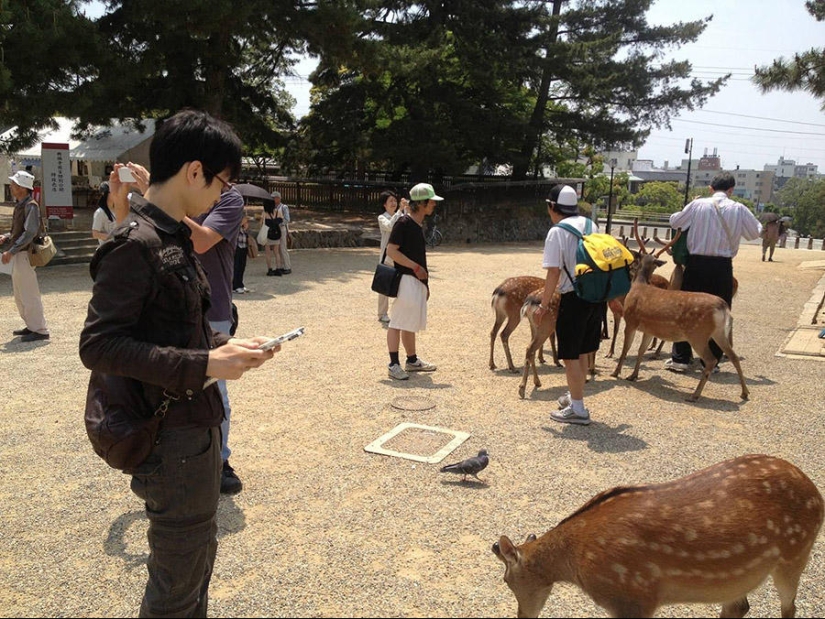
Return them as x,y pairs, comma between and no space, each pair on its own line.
180,485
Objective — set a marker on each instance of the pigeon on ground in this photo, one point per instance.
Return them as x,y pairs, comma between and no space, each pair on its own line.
470,466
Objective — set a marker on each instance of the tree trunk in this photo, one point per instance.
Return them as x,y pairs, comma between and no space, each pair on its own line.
536,126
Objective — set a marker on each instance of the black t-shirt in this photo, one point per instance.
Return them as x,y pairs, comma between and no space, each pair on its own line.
409,237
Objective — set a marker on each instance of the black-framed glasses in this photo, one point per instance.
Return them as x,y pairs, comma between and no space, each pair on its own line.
226,184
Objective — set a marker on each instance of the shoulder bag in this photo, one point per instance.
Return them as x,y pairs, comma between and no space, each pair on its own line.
42,249
386,278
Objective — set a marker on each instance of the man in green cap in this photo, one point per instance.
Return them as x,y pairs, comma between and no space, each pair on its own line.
408,251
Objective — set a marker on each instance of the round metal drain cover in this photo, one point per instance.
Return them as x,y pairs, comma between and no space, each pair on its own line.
412,403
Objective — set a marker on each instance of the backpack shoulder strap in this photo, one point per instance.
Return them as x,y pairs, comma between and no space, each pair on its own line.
570,228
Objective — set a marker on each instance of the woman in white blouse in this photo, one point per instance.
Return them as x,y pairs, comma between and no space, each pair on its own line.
386,221
103,220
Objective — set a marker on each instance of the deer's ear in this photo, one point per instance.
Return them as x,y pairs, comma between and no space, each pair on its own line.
659,263
507,552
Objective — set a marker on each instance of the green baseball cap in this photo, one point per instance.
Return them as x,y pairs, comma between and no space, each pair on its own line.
423,191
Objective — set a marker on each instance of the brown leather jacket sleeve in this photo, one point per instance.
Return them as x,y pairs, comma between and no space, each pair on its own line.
119,339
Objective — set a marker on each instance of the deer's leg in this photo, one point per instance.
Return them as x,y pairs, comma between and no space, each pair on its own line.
629,334
512,323
552,338
709,362
786,580
529,360
617,320
736,609
658,352
646,337
493,334
724,344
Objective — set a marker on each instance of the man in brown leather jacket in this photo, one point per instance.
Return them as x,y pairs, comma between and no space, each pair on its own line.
146,339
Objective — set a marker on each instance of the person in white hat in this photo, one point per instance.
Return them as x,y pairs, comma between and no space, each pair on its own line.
25,226
408,252
285,261
578,325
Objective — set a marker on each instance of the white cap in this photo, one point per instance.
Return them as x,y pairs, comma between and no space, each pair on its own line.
24,179
276,194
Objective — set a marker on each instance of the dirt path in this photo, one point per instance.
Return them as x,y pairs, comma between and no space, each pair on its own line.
323,528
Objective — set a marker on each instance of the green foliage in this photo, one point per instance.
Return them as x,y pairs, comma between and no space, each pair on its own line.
46,50
666,197
804,200
437,86
598,75
805,71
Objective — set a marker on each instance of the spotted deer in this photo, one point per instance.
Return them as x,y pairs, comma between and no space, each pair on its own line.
710,537
507,300
541,332
676,316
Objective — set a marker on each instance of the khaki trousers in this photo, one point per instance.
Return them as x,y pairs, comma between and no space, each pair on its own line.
285,261
27,293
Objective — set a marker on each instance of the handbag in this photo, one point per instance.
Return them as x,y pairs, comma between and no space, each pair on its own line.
274,231
252,248
679,250
261,238
41,251
120,425
386,279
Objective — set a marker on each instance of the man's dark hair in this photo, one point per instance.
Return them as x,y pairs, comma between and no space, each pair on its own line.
384,196
192,135
723,181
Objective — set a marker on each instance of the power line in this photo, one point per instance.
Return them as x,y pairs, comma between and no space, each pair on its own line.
697,122
778,120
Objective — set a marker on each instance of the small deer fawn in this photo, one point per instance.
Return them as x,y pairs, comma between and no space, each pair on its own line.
508,298
710,537
540,330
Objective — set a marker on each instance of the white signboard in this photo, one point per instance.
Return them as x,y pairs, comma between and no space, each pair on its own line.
57,180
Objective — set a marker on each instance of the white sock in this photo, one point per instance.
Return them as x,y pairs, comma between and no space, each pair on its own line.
578,406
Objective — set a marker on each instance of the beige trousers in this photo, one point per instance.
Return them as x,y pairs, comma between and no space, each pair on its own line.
27,293
285,261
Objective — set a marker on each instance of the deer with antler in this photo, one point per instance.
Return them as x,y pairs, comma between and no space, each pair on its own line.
711,537
676,316
508,297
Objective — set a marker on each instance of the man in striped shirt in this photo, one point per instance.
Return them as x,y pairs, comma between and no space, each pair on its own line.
714,227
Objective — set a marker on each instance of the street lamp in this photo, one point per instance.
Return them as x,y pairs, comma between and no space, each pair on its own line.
689,153
610,197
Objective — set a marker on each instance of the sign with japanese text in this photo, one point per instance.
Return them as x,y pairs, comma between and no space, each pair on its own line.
57,180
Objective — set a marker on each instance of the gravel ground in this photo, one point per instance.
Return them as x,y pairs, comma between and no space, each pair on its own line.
323,528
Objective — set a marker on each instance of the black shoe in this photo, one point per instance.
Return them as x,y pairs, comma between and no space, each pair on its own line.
278,272
270,272
23,331
230,483
286,271
34,337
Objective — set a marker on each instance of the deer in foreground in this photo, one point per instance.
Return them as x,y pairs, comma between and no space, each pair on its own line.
541,331
676,316
507,300
710,537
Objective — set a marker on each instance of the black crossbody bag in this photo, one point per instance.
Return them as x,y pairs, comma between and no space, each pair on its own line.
386,279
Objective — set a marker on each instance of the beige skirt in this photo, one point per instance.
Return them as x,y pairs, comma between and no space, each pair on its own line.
409,309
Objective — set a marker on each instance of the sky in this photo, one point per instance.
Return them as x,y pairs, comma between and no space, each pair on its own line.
748,129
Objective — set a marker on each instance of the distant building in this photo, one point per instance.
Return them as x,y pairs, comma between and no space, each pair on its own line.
786,169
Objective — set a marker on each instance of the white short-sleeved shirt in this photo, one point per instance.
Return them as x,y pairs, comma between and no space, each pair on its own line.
101,223
560,249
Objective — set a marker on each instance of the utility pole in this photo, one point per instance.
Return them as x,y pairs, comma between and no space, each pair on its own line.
689,152
610,197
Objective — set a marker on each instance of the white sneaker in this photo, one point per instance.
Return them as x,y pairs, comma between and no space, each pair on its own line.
384,318
675,366
565,400
240,290
245,289
397,373
419,366
568,415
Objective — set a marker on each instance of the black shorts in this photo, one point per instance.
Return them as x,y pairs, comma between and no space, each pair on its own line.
578,328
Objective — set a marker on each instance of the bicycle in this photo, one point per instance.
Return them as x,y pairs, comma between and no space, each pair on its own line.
433,236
